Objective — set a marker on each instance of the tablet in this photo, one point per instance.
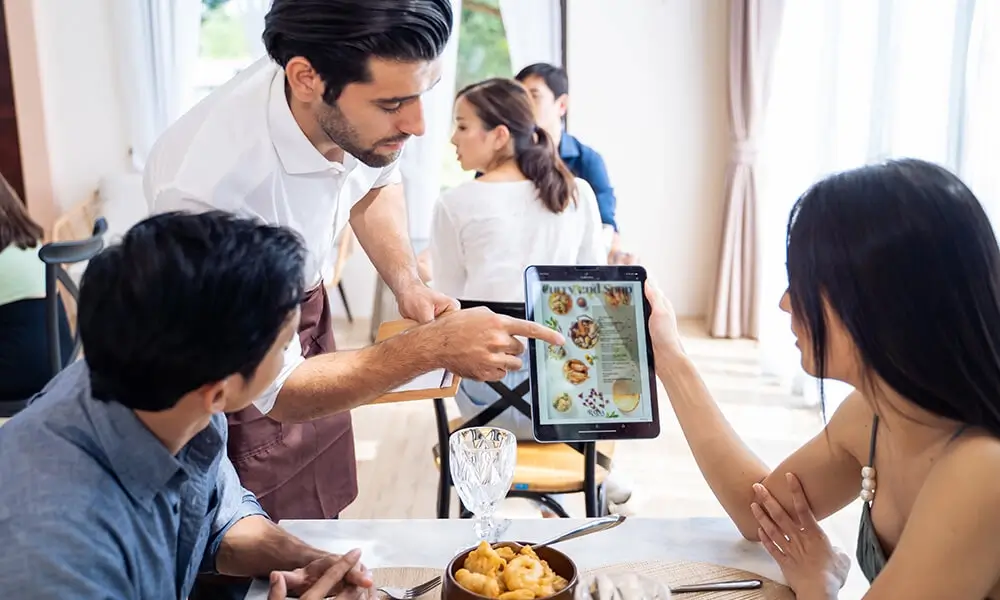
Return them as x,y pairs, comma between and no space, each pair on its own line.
601,384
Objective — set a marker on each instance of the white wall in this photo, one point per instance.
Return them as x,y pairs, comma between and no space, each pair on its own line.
73,85
648,91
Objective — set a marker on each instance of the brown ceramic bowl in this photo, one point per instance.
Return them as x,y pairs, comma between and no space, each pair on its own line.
560,563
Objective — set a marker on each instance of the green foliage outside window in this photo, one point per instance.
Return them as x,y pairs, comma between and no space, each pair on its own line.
221,33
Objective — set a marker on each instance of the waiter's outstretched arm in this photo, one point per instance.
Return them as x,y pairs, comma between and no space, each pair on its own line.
475,344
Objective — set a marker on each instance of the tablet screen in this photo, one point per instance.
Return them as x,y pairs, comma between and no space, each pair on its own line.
600,376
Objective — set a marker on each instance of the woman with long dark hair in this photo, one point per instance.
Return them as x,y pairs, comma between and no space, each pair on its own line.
526,208
24,358
894,288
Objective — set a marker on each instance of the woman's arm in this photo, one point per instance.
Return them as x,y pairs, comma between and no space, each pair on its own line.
829,473
950,546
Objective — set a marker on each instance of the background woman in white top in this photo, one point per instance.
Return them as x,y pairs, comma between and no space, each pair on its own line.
525,209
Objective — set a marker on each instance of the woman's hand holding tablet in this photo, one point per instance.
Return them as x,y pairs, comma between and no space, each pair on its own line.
601,383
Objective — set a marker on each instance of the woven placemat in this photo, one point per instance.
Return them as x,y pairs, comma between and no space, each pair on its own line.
671,573
405,577
687,573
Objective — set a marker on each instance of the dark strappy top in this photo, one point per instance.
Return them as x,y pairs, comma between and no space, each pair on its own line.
870,554
871,557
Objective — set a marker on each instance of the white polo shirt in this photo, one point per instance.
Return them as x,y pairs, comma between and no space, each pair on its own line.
240,150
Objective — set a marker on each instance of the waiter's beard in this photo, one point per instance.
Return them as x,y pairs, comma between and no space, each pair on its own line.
342,132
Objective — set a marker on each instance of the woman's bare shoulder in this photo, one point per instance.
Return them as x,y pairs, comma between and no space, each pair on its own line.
851,425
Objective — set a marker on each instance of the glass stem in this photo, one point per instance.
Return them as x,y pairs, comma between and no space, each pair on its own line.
486,528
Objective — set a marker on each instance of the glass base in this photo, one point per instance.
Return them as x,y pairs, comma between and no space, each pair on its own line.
490,529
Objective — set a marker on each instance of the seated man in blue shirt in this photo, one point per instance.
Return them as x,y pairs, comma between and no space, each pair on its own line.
115,479
549,89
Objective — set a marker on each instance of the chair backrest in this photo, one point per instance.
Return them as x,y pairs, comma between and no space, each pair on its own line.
55,255
511,309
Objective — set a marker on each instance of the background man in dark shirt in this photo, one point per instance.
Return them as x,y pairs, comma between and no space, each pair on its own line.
549,88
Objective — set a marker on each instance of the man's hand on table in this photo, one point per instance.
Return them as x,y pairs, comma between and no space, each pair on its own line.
423,304
343,576
481,345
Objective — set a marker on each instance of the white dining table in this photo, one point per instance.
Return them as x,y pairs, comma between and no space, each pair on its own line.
433,542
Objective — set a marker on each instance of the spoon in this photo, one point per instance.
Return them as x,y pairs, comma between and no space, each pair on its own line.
587,528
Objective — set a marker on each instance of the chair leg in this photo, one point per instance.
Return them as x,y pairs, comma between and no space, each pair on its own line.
444,492
552,504
590,491
343,298
444,460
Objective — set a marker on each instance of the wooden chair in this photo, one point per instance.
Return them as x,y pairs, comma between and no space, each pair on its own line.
345,248
543,470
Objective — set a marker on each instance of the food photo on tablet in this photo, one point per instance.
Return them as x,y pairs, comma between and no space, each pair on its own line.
600,384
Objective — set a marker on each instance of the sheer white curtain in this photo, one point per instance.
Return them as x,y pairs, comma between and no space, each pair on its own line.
423,156
534,31
157,47
981,134
252,13
858,81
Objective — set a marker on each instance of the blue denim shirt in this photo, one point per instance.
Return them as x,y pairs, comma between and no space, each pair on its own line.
92,505
584,162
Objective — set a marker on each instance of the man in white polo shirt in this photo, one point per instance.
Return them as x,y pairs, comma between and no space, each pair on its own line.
309,138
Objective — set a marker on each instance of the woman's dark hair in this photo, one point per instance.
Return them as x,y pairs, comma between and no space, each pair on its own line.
183,301
506,102
906,258
16,227
339,36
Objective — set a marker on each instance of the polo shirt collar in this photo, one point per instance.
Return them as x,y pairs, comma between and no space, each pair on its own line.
297,154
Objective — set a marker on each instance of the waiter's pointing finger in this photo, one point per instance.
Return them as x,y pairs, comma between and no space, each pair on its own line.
534,330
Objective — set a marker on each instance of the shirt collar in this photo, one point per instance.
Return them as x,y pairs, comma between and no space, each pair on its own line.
138,459
569,147
297,154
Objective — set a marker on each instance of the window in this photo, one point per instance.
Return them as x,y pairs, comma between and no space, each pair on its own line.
482,53
229,42
855,82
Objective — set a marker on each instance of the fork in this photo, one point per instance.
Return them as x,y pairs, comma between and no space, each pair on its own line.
410,593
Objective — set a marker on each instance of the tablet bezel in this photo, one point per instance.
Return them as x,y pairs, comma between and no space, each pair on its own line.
588,432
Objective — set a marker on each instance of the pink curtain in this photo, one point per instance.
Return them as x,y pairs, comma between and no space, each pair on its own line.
754,26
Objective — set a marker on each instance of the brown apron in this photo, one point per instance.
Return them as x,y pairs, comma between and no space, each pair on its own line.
298,470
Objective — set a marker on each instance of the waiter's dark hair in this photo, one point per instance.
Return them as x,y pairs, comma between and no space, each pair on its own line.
183,301
338,37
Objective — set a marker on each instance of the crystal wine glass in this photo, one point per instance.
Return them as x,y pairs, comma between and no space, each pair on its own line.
620,586
482,468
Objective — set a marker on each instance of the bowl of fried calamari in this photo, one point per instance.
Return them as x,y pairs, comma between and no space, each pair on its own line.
509,571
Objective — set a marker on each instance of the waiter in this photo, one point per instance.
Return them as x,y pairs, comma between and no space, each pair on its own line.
309,138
